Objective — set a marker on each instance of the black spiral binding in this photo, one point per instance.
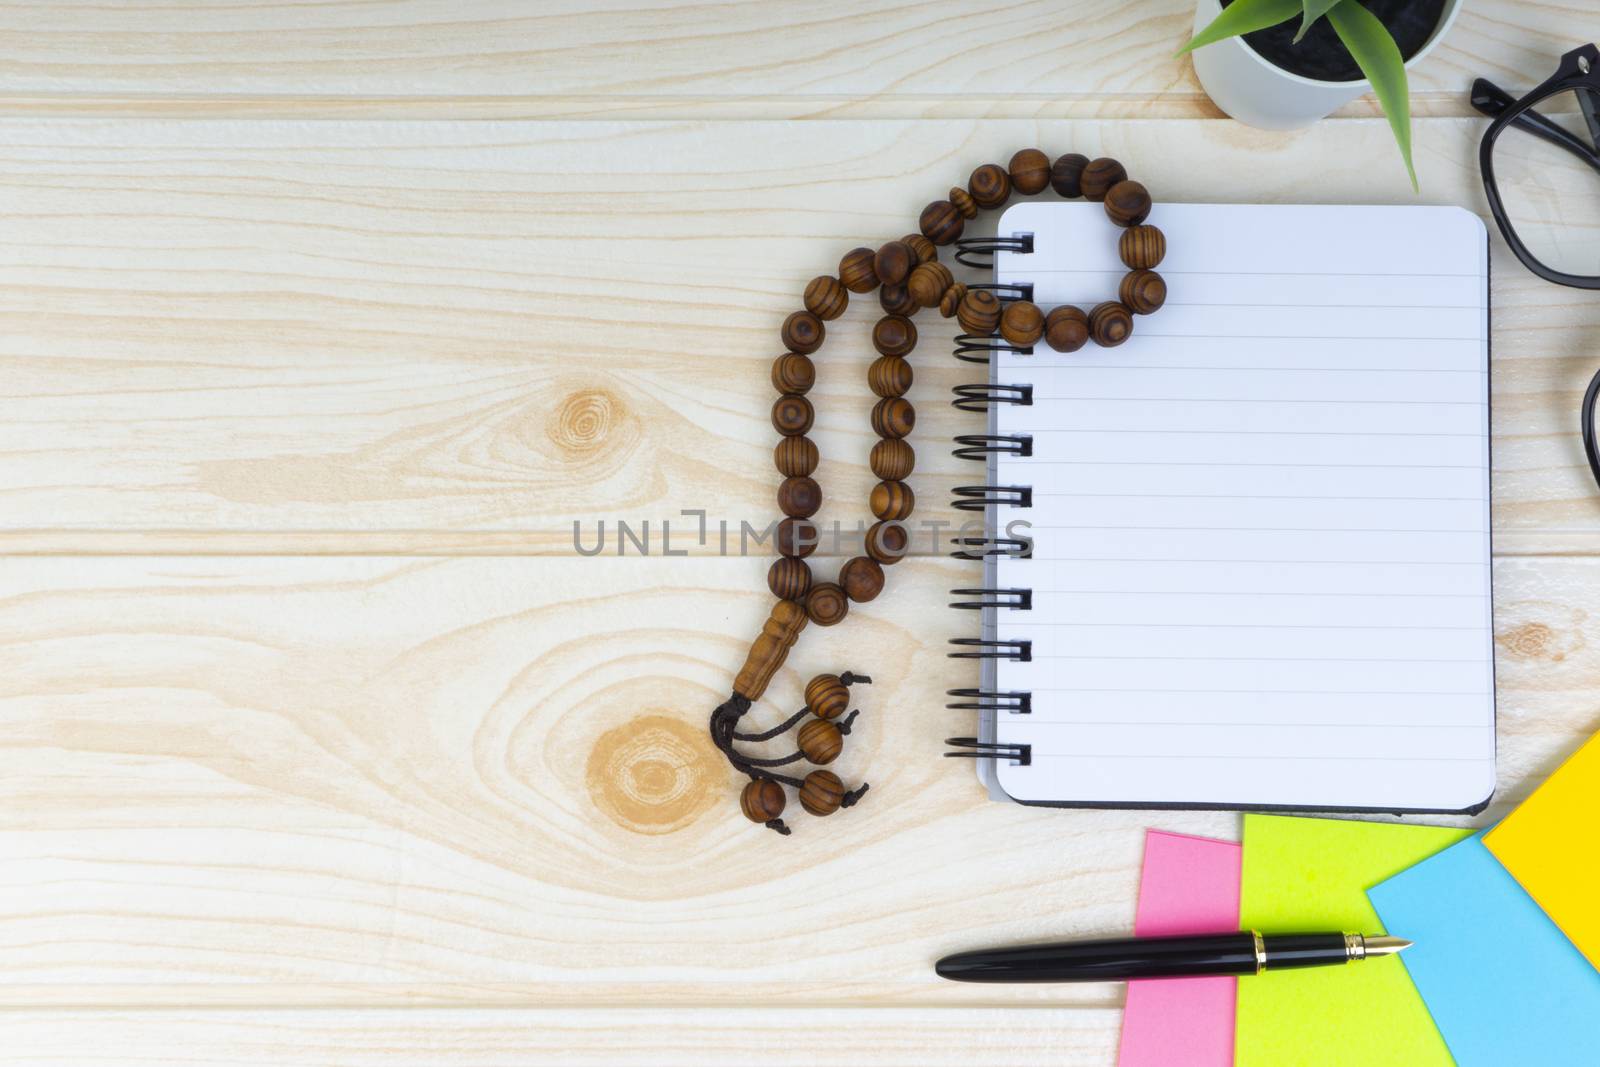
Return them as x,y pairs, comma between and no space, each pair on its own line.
979,446
983,398
978,252
1021,755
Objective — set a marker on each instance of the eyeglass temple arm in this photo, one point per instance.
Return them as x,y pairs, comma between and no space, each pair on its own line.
1491,100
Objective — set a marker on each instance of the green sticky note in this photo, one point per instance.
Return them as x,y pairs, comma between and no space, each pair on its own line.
1312,875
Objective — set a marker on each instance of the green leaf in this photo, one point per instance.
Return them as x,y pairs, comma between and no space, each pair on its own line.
1243,16
1314,10
1379,59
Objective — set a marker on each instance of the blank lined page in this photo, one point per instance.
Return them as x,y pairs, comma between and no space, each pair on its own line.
1261,570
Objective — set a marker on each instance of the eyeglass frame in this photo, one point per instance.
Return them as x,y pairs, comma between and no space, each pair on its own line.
1579,70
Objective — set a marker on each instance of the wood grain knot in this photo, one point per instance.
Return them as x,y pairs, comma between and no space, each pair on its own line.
1534,641
583,421
654,774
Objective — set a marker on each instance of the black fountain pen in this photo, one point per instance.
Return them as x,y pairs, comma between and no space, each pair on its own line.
1246,952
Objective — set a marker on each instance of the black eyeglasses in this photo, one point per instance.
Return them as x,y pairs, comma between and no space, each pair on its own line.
1541,173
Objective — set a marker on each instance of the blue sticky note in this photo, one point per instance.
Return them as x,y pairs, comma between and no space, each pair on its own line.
1502,982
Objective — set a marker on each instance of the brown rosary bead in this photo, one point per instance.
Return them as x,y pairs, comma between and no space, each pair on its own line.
762,800
799,497
940,222
990,185
963,202
1030,171
894,335
793,373
788,578
979,312
802,333
950,302
1022,323
862,579
826,604
892,500
893,263
1142,247
827,696
1127,203
1099,176
1066,328
796,538
821,793
922,249
887,541
1066,175
1110,324
856,272
826,297
1143,291
792,415
892,459
893,417
889,376
929,282
897,300
795,457
821,741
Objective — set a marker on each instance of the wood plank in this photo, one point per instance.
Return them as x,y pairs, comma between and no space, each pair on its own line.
465,337
483,58
486,781
728,1034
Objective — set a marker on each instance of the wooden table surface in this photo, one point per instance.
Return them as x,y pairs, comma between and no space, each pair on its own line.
324,322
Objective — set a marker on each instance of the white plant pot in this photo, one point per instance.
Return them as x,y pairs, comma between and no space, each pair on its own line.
1255,92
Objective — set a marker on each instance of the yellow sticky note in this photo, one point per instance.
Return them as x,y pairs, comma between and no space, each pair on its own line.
1312,876
1551,845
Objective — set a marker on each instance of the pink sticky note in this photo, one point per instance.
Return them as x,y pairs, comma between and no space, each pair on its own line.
1190,885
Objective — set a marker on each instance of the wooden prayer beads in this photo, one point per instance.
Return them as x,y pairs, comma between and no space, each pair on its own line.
795,456
820,741
897,300
862,579
893,262
793,373
856,272
1110,324
907,276
792,415
894,335
979,312
892,459
1022,323
941,223
789,578
892,500
802,333
1143,291
1142,247
889,376
827,696
1030,171
799,497
893,417
826,297
821,793
1066,175
1099,176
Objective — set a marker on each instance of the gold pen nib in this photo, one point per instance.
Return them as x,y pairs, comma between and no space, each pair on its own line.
1385,946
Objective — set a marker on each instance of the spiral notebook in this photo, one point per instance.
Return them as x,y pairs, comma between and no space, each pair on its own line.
1241,560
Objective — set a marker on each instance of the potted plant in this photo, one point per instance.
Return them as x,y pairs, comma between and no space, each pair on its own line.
1280,64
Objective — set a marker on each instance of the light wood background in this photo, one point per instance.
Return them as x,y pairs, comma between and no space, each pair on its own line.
320,326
